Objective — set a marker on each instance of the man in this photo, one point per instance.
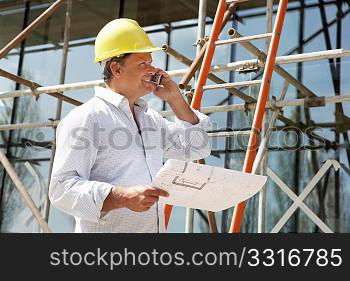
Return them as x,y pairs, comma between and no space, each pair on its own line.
110,148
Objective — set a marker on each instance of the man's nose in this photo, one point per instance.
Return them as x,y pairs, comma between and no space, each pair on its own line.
151,69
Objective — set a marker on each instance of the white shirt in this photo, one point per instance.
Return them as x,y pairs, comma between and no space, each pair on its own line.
98,146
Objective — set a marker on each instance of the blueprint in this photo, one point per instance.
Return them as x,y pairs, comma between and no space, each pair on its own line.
205,187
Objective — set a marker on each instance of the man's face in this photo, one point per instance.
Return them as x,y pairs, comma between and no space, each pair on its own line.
136,73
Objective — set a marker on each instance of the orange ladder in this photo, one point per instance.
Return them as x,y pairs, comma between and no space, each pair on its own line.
262,98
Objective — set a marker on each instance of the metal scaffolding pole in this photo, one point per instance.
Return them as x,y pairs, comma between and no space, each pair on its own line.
229,125
307,40
272,104
32,85
280,117
265,128
211,76
52,89
23,191
194,66
260,155
59,102
262,56
297,159
314,56
308,102
21,36
223,13
202,13
306,57
337,138
50,124
218,152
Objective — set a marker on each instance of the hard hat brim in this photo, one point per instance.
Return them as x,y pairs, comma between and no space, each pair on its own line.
118,53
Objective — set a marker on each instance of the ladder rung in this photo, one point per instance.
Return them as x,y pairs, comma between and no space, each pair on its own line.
243,39
232,85
234,1
229,134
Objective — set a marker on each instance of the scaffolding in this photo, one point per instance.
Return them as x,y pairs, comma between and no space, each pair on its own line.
257,161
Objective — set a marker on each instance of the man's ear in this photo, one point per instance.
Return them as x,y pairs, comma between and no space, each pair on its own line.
115,69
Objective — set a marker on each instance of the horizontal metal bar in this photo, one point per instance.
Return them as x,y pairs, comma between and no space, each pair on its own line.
29,125
53,89
232,85
243,39
269,105
229,134
314,56
284,148
306,57
223,108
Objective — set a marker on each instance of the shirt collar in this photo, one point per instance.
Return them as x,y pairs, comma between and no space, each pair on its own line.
117,99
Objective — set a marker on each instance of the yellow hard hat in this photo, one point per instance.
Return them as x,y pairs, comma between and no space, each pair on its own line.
122,36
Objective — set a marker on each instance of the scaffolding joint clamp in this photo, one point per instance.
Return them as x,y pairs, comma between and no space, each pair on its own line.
274,107
246,107
314,101
35,93
262,58
249,67
52,121
201,41
189,95
33,86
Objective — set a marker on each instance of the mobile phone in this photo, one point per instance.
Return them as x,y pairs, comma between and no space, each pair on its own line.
156,79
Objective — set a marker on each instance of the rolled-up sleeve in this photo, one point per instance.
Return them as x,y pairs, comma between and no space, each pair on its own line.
70,188
184,141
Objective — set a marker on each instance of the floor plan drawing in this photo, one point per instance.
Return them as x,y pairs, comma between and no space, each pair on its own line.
205,187
188,182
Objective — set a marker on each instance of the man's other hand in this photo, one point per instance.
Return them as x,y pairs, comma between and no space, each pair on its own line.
142,198
136,198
